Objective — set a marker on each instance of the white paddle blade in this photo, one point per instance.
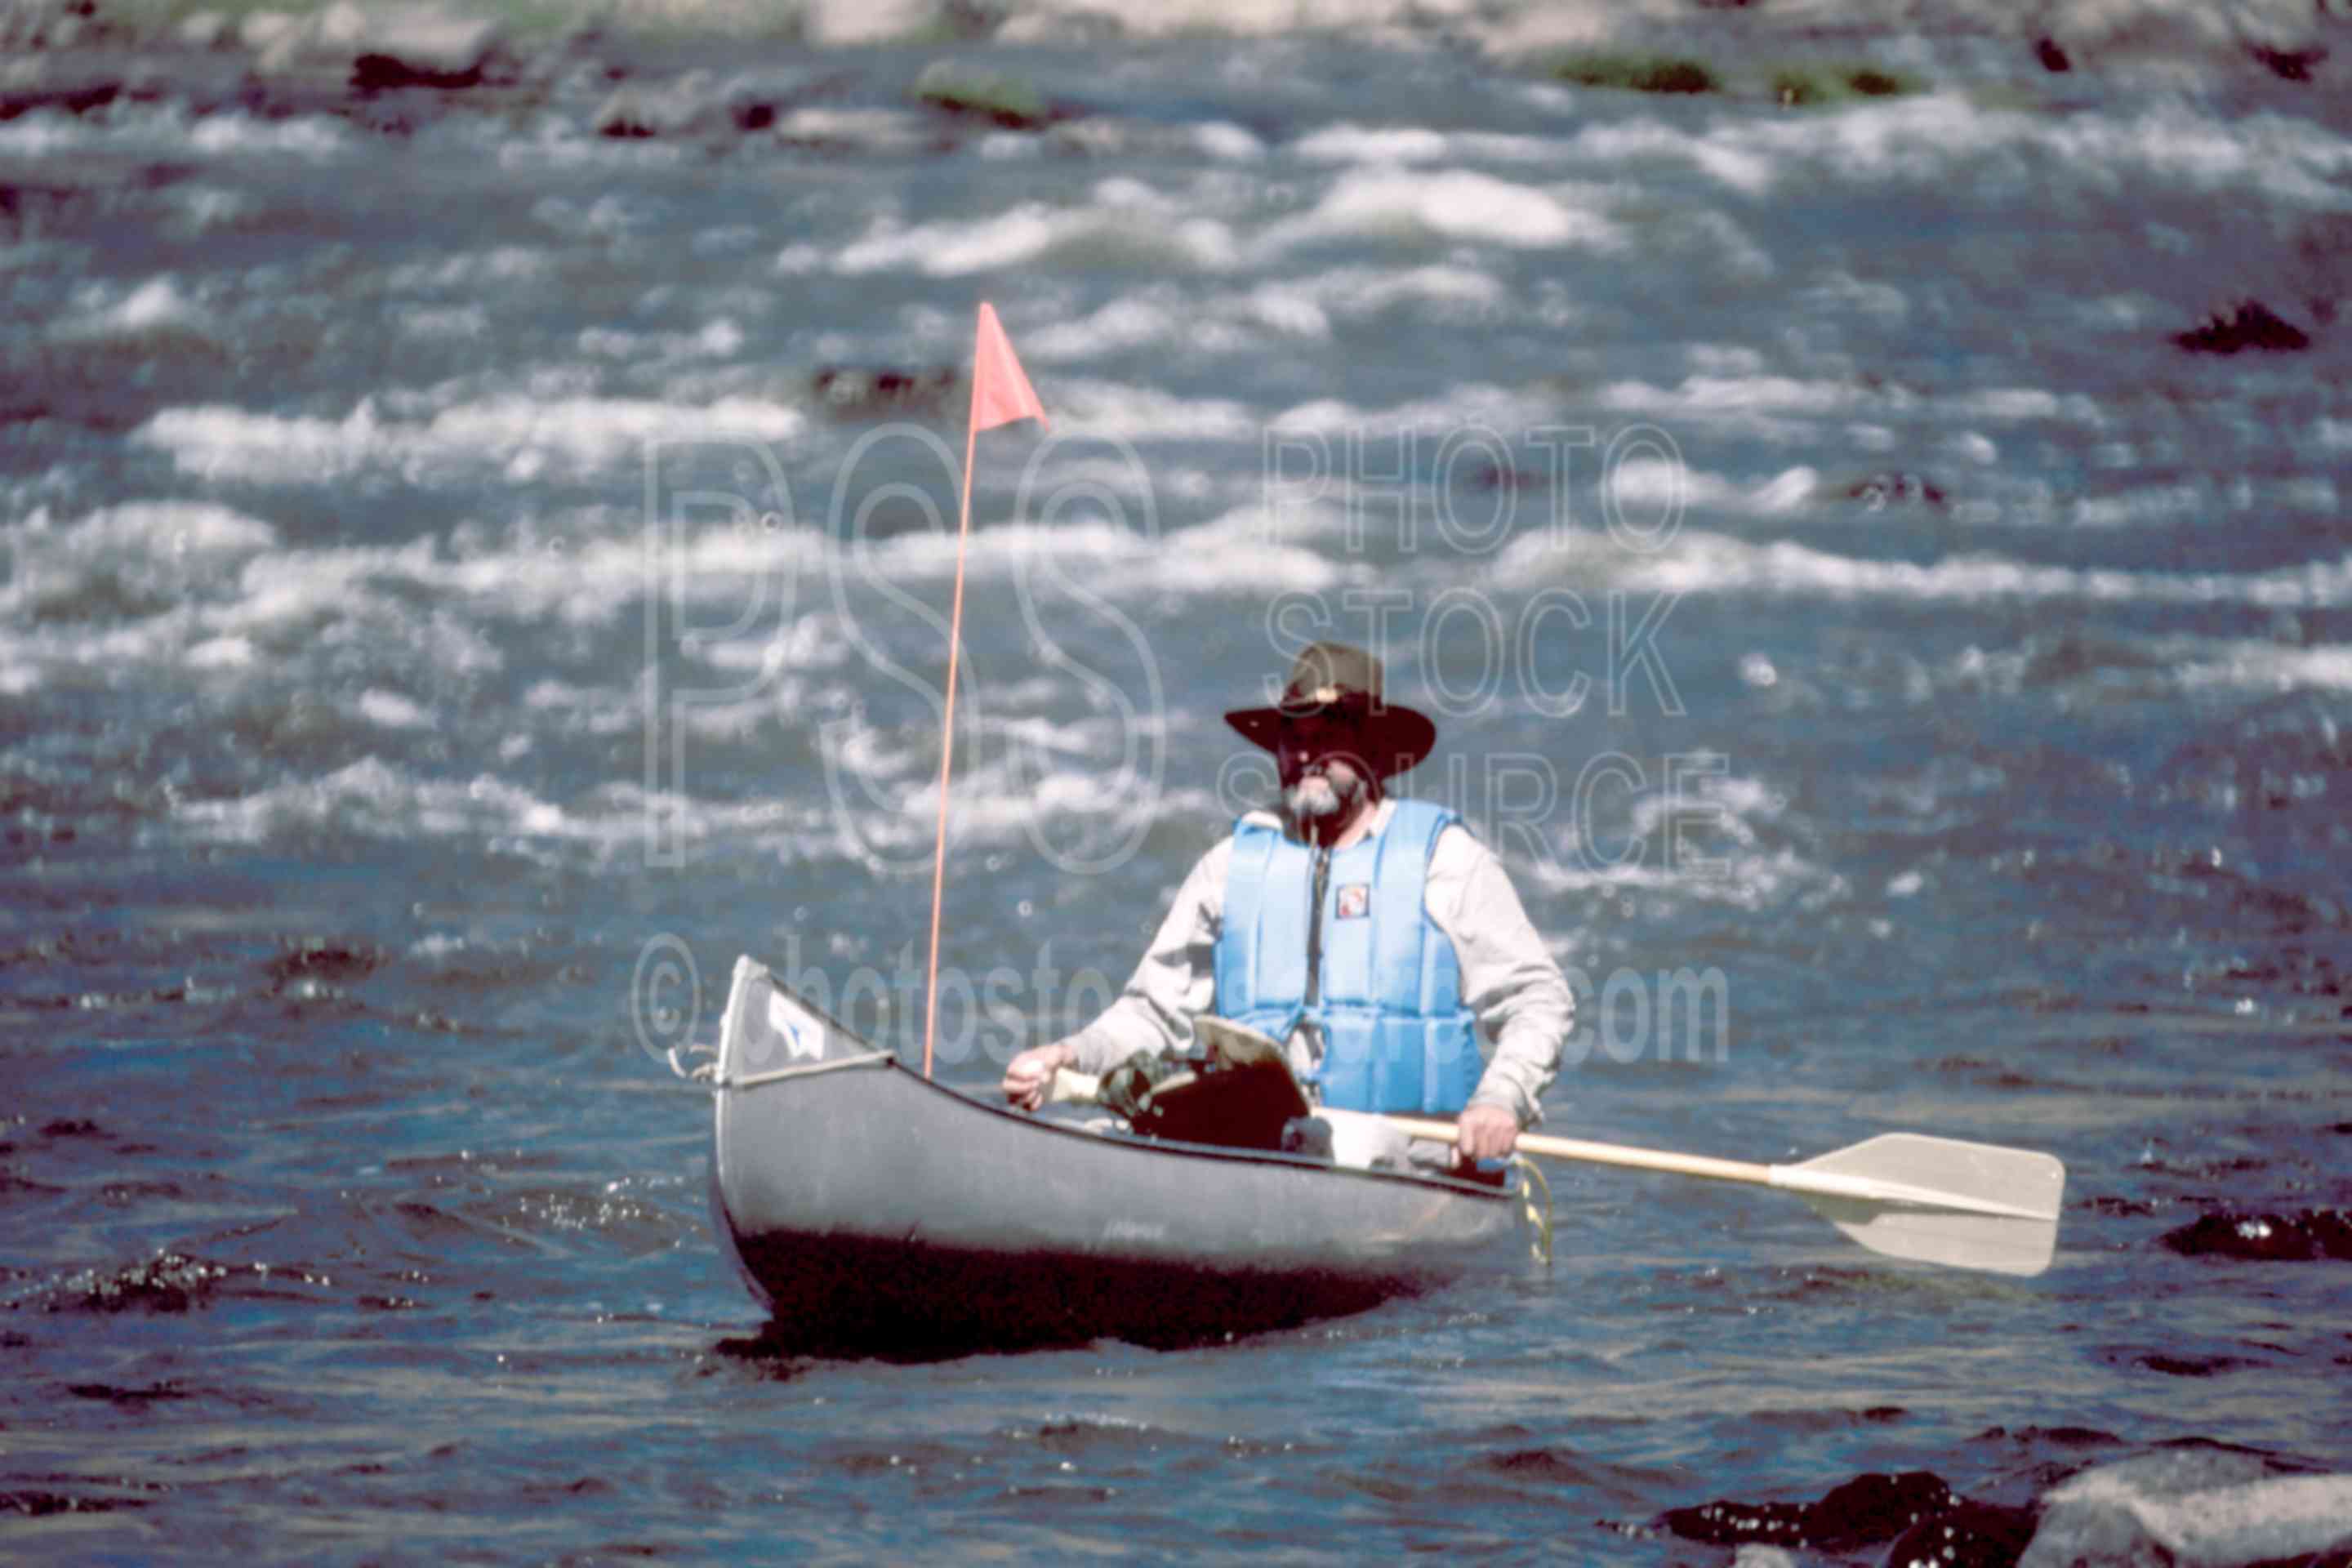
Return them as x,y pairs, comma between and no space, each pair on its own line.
1938,1200
1988,1242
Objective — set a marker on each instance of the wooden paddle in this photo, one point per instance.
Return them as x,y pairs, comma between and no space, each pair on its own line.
1904,1194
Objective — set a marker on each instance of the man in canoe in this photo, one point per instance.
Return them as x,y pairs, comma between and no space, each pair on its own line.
1375,936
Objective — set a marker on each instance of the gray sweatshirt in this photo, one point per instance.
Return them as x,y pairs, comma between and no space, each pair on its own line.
1524,1006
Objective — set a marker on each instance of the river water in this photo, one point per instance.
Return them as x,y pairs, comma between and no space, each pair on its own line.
466,583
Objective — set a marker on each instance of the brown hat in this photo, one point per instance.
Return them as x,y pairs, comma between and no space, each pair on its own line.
1330,676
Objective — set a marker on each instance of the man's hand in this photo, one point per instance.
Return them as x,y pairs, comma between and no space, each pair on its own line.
1485,1132
1028,1076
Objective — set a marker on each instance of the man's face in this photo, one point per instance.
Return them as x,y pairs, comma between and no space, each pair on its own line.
1320,758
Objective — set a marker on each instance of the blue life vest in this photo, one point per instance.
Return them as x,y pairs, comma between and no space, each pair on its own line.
1396,1036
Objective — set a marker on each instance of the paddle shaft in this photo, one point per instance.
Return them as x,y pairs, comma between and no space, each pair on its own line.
1607,1153
1802,1180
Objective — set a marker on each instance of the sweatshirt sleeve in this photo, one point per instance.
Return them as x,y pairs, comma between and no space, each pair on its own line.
1175,981
1508,977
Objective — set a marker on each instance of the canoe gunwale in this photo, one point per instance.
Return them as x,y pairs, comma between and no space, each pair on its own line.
1215,1153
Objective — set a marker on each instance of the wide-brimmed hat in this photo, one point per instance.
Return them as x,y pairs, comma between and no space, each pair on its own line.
1333,678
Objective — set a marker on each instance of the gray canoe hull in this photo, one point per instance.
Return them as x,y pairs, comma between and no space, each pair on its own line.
868,1207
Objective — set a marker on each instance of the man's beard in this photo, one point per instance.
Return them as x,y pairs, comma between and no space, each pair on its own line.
1334,790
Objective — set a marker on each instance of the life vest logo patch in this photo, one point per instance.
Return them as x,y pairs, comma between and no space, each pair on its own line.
1355,900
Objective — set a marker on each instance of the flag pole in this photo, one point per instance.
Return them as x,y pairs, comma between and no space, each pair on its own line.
999,393
947,730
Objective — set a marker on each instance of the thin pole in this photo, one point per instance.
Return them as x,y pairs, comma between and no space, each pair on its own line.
947,737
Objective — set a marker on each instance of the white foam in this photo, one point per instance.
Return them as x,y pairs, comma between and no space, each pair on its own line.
1234,553
170,130
1938,138
155,308
1702,563
1126,222
517,435
221,653
718,338
1731,160
1223,139
1448,205
458,323
373,796
390,711
470,271
2267,668
1348,142
315,138
1719,396
170,551
1112,408
1231,322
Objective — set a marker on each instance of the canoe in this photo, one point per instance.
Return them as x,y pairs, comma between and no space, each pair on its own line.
870,1208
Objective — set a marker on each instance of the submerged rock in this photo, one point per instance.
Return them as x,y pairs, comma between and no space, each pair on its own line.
851,392
1973,1535
1880,490
2312,1236
2250,324
204,31
168,1282
1670,74
698,104
2195,1506
1868,1509
1002,101
2287,65
419,49
376,51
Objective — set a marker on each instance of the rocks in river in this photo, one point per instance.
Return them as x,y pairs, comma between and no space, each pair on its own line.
426,49
853,392
379,49
698,104
2314,1236
28,25
167,1282
1973,1535
203,31
1866,1510
635,113
2194,1503
2287,65
315,959
1002,101
2215,1507
1880,490
2285,38
2249,324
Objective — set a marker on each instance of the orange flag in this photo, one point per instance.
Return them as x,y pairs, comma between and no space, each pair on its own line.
1000,393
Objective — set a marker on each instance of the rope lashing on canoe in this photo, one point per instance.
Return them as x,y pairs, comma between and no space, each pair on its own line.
708,1073
1538,1216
